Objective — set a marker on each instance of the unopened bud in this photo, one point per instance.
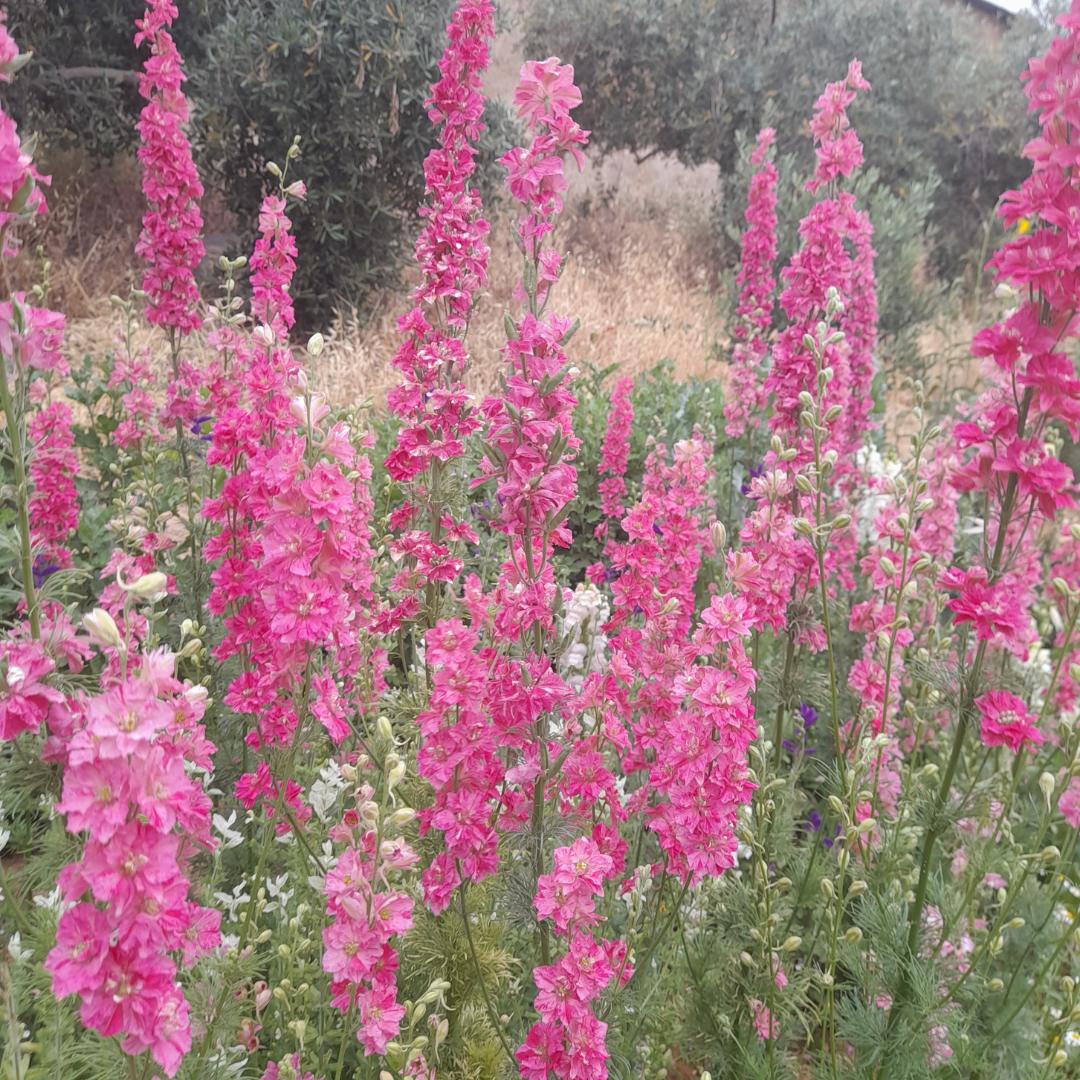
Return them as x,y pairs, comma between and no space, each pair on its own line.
384,728
1046,786
101,627
395,771
315,345
148,586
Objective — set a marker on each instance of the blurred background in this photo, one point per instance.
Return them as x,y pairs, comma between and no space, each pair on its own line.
674,93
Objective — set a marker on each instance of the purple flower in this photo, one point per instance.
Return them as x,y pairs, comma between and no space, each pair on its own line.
752,475
809,716
43,569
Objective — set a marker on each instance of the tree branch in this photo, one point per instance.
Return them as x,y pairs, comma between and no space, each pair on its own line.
121,75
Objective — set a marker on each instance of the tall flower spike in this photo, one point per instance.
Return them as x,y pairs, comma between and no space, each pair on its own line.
615,453
822,262
436,411
746,390
170,241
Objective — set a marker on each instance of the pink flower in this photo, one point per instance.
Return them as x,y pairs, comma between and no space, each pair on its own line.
757,285
567,894
542,1053
765,1024
32,336
545,91
170,240
127,786
9,51
25,697
1006,721
380,1018
440,879
54,465
81,952
1069,803
351,948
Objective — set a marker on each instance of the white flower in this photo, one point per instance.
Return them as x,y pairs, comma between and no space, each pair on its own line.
584,644
16,951
230,838
323,794
279,895
53,901
231,903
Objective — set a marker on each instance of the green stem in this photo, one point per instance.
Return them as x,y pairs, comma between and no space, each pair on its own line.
11,903
785,681
16,438
657,938
1051,960
492,1014
345,1039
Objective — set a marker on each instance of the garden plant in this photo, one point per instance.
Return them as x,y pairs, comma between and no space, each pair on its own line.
593,727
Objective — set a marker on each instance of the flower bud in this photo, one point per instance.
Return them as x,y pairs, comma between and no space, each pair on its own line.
400,818
385,729
315,345
718,534
395,771
101,627
995,986
190,648
1046,786
148,586
791,944
853,935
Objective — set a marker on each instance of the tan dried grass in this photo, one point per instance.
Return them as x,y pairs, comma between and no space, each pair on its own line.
639,284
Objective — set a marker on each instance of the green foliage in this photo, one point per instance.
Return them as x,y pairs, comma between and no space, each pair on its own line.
909,294
683,77
81,90
350,78
666,410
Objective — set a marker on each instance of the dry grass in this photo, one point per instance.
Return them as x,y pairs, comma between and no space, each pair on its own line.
639,289
639,283
640,278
